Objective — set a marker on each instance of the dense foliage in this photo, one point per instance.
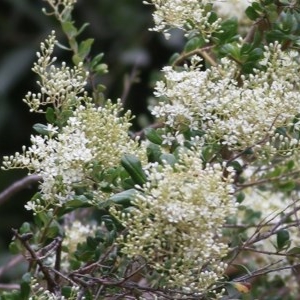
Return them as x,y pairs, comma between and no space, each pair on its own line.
203,203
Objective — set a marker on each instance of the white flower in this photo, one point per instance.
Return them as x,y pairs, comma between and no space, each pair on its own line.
232,8
60,86
177,221
237,115
64,158
188,15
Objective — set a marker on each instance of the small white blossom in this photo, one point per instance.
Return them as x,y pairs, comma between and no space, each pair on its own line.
237,115
177,222
60,86
63,159
232,8
188,15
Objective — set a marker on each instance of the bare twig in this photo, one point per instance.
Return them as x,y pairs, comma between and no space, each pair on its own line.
141,133
264,271
15,260
50,281
258,236
9,286
267,180
202,52
18,186
128,82
261,142
271,252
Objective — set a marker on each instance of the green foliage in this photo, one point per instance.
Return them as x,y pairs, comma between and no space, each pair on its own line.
283,240
134,168
163,215
228,32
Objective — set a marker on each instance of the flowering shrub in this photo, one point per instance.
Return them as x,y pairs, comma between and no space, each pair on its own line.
200,205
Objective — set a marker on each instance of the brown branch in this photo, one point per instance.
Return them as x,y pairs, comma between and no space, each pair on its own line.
264,271
50,281
267,180
141,133
18,186
9,286
258,236
270,252
128,82
261,142
202,52
15,260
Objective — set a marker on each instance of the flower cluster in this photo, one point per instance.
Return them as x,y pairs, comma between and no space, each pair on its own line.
60,86
236,114
61,8
272,207
64,158
41,293
75,233
176,222
188,15
58,159
107,132
232,8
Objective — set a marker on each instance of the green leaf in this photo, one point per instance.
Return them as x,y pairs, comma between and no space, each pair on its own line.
194,43
85,48
213,17
257,6
76,59
25,228
287,186
11,295
78,201
153,136
251,13
43,218
240,197
66,291
255,54
95,61
232,50
173,58
66,114
101,69
63,47
228,31
50,115
124,197
290,165
53,230
25,286
92,243
82,28
69,29
236,165
242,268
15,247
208,152
283,239
41,129
153,152
168,158
257,38
294,251
134,168
73,44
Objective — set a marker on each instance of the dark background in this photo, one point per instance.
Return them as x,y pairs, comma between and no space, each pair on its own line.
120,29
